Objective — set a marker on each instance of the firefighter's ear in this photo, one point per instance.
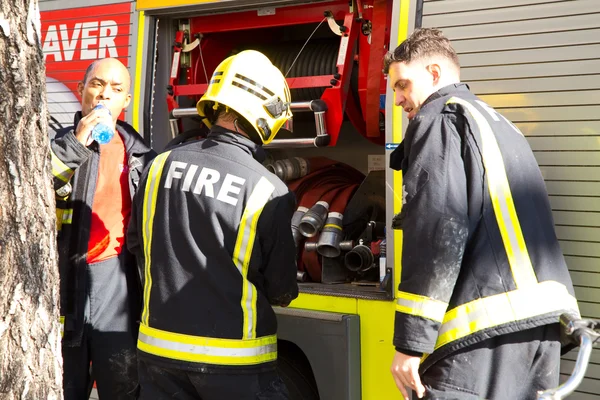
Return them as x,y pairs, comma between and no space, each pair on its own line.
436,72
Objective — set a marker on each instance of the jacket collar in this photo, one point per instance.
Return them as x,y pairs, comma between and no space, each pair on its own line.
397,155
220,134
455,88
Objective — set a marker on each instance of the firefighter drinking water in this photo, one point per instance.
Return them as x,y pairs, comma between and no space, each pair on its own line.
100,295
211,228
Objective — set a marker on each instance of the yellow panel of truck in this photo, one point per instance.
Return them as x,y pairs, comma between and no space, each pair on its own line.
152,4
376,349
376,331
137,81
343,305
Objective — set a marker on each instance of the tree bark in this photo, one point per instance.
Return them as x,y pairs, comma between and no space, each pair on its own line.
30,351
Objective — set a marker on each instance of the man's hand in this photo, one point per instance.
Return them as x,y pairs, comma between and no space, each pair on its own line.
83,131
405,370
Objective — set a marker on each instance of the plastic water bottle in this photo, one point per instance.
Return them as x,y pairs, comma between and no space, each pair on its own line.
103,132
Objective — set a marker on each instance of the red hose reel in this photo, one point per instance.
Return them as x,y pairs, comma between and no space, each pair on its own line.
351,84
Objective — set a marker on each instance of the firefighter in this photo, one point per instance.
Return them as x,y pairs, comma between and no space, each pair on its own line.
213,229
100,296
483,278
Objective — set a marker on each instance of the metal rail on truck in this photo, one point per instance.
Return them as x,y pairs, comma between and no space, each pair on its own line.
318,107
582,332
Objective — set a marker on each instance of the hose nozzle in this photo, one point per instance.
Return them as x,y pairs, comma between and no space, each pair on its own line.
360,258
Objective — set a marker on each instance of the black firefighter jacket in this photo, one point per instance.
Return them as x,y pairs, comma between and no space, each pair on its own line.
75,171
480,256
211,227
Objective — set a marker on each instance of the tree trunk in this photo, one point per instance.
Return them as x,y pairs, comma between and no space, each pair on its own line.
30,352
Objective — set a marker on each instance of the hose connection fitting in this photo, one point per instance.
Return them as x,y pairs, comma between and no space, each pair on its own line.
331,236
346,245
301,276
296,218
290,168
359,259
314,219
310,247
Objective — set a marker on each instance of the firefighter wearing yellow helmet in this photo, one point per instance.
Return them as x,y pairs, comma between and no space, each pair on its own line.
254,89
211,228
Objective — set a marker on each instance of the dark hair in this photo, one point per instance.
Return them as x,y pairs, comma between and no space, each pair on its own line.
227,114
422,43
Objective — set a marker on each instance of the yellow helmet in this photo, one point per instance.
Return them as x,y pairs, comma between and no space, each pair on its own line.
249,84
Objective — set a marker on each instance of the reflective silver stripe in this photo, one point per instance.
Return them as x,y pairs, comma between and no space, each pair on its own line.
60,169
150,196
502,201
67,216
517,305
208,350
243,251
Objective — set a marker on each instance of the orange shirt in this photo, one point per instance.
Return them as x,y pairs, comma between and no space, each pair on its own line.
112,203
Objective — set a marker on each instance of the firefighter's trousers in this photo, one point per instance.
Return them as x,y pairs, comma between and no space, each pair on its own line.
158,383
109,337
511,366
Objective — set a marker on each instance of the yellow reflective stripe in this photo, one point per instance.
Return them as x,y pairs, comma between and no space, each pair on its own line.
243,251
149,207
59,217
62,326
517,305
420,306
504,207
60,169
63,216
200,349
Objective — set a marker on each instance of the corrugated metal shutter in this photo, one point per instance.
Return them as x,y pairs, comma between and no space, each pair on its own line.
538,63
72,38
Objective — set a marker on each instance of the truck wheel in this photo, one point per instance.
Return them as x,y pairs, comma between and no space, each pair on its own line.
296,373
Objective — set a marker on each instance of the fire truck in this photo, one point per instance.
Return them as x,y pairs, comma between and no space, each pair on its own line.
536,61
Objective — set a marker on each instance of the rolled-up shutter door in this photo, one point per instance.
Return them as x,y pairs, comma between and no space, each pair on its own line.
538,63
